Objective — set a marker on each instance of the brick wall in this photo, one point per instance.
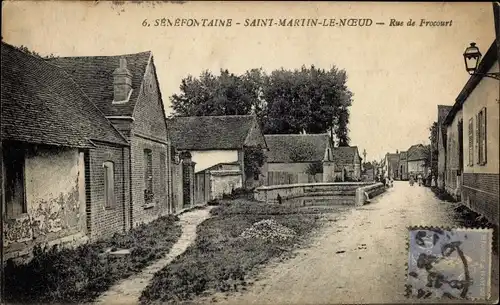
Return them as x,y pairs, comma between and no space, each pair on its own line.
142,213
177,194
481,193
104,221
148,113
150,132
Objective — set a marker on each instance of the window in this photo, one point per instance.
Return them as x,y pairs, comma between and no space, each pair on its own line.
163,171
471,142
109,184
482,136
148,176
14,181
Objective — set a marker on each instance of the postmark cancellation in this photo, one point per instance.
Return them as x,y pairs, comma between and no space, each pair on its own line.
449,263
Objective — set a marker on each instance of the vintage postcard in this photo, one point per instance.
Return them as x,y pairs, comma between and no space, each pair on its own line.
249,152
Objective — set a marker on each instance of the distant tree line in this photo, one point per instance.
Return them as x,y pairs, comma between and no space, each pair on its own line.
26,50
285,101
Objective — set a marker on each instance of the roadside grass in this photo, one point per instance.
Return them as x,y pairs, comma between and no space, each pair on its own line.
220,260
82,274
442,195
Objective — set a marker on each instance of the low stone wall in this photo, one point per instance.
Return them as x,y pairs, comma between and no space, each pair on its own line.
370,190
344,190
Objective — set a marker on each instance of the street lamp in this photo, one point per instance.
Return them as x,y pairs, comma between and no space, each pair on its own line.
472,57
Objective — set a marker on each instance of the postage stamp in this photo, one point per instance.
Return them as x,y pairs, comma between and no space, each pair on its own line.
451,263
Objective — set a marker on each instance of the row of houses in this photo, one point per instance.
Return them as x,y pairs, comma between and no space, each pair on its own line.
87,151
402,165
467,142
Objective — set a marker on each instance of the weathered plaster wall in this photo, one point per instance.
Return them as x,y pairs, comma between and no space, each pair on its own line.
55,199
452,177
480,189
484,95
223,182
416,167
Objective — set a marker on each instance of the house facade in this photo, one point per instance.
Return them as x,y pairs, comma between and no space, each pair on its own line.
477,107
125,89
443,111
417,156
299,158
403,166
215,140
347,163
64,165
391,165
454,155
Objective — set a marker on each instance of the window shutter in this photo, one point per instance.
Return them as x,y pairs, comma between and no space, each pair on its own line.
477,140
484,135
471,143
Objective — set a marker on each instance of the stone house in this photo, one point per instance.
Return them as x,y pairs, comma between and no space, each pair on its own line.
347,163
218,140
391,165
477,107
454,155
417,155
125,89
441,144
64,166
403,166
299,158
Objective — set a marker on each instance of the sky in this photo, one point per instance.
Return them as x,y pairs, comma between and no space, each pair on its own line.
398,74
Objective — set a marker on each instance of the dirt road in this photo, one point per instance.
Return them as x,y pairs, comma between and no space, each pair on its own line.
358,259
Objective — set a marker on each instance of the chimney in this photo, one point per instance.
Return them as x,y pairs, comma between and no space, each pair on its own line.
122,82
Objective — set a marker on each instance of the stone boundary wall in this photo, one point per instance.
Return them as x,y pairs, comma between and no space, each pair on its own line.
269,194
370,190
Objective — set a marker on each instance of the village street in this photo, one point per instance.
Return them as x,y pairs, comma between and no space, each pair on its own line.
358,259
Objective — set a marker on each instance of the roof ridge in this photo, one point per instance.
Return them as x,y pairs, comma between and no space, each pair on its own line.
296,134
64,73
214,116
95,56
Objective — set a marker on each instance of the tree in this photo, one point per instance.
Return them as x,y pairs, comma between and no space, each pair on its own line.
314,168
26,50
225,94
285,101
432,150
254,159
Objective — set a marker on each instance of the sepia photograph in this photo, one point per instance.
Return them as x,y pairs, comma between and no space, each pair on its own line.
249,152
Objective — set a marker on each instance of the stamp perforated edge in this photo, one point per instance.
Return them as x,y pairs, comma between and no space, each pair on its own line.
449,228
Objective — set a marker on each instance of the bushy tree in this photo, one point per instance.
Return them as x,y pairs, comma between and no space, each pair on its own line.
254,158
285,101
431,151
26,50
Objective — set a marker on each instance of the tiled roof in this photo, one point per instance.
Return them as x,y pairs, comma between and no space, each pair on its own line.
94,74
443,112
416,152
308,147
42,104
210,132
345,154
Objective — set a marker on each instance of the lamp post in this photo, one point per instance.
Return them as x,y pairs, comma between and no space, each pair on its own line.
472,57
